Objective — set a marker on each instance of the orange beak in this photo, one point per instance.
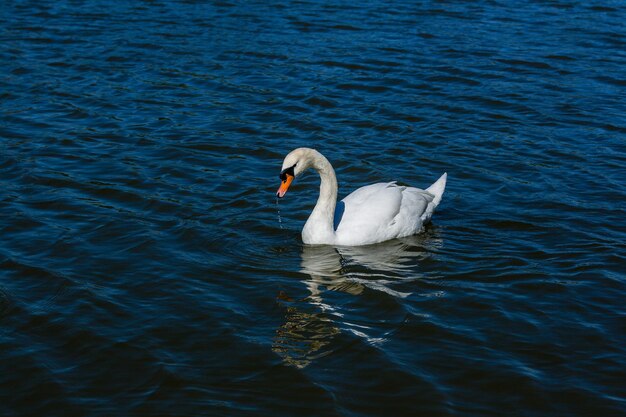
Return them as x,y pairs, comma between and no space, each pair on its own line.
284,186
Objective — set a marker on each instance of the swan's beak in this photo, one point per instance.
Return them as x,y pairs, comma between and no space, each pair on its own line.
284,185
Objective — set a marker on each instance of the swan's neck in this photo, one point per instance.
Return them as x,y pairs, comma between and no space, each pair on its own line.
319,228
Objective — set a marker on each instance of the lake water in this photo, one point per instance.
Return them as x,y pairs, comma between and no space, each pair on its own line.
144,271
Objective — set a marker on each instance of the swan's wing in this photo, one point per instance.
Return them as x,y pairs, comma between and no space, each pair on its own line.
417,207
373,205
381,211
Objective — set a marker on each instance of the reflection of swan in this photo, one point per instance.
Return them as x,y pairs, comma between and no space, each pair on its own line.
393,256
341,268
304,337
311,326
371,214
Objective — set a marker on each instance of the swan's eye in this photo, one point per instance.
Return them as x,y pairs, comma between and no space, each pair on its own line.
287,171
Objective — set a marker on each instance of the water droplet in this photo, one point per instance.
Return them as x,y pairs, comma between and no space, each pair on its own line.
280,220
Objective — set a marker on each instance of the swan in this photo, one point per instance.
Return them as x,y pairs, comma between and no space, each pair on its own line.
370,214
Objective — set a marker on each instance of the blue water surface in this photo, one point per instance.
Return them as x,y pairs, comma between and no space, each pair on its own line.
143,267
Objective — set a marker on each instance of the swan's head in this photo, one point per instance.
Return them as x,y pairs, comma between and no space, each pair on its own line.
295,164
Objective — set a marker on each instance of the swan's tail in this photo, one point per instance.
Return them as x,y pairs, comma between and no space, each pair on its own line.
437,188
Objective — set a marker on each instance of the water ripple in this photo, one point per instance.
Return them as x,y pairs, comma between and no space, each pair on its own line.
143,268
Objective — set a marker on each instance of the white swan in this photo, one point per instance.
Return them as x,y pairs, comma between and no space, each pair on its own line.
371,214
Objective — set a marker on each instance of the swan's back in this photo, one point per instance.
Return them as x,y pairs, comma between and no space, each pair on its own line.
384,211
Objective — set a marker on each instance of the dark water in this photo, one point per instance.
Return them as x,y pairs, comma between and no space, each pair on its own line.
143,268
